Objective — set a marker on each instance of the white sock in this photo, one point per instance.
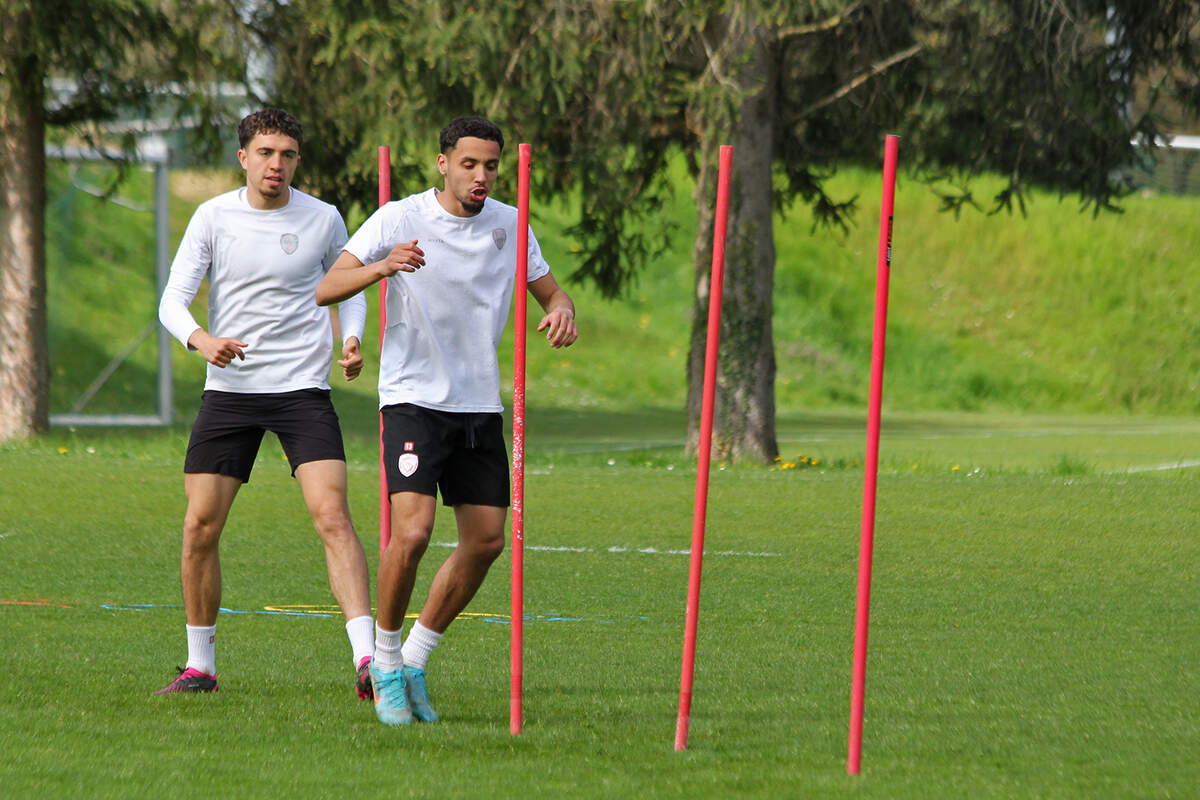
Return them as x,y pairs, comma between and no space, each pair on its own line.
202,648
387,656
419,645
361,631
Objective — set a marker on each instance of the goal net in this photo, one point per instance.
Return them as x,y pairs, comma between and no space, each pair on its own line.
107,261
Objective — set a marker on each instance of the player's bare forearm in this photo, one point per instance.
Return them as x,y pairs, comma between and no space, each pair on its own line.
348,276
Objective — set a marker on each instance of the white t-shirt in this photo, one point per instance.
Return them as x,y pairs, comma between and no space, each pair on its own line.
263,267
444,321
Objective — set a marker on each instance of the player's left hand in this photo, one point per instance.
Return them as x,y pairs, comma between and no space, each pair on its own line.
560,328
352,360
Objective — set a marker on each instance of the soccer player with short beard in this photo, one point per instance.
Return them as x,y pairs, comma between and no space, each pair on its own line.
448,256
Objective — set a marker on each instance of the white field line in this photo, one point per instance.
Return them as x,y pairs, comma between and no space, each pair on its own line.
616,447
1162,467
1037,434
984,434
618,549
900,435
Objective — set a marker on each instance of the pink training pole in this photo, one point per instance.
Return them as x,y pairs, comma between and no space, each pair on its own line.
385,503
890,150
524,152
706,425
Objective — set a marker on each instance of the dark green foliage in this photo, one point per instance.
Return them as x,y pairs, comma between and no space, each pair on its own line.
114,60
1043,92
586,83
1040,92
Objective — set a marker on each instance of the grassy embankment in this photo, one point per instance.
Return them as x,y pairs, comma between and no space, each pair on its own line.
1060,312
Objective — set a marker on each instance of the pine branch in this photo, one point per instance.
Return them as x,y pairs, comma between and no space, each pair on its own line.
863,77
818,27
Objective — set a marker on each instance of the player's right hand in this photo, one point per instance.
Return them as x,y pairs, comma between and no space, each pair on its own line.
351,361
217,350
405,257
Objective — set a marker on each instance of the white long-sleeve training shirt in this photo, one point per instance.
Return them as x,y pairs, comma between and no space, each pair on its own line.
444,321
263,268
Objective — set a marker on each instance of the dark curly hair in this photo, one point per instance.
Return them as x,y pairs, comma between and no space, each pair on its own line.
476,127
269,120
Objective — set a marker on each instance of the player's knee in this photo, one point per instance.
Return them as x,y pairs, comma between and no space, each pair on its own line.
332,522
200,532
490,548
411,543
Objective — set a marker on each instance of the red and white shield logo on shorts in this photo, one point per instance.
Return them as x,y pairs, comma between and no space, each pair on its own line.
408,464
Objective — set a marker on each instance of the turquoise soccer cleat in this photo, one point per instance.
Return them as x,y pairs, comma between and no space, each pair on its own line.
391,697
418,695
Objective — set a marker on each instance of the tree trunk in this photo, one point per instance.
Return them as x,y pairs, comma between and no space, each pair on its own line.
744,418
24,360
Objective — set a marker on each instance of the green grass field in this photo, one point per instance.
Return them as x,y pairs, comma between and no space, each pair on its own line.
1035,585
1035,593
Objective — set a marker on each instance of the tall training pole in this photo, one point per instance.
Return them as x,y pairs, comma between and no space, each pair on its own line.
521,292
385,504
866,547
706,425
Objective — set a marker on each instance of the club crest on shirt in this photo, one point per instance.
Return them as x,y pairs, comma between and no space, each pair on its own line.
289,242
408,464
499,237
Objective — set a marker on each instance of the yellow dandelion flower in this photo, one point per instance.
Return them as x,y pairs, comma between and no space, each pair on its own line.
62,450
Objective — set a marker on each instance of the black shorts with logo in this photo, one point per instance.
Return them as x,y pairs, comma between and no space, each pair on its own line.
461,454
230,428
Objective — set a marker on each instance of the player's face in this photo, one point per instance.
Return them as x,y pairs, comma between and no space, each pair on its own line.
270,161
470,170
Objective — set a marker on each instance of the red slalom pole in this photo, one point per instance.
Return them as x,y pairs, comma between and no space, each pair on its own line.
700,507
524,154
385,503
890,151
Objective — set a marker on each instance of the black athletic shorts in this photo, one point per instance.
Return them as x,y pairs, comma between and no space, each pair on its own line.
230,427
463,455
